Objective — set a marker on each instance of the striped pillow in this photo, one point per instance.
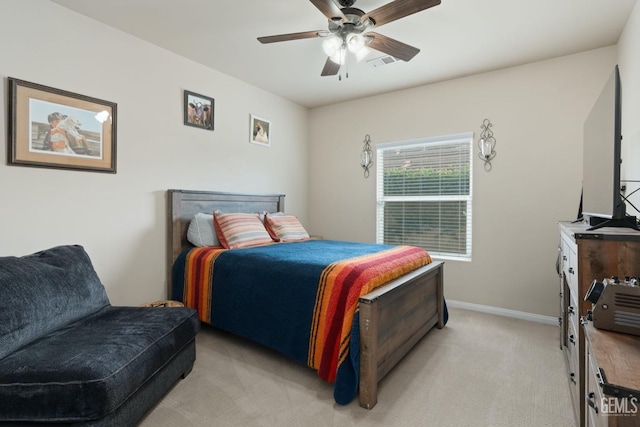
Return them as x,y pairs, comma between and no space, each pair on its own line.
285,228
240,230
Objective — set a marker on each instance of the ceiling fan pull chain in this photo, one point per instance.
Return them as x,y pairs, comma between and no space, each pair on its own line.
346,63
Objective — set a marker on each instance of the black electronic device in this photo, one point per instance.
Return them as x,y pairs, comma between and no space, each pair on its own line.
594,292
602,200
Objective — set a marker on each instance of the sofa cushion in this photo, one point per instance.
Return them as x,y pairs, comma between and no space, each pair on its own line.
87,369
42,292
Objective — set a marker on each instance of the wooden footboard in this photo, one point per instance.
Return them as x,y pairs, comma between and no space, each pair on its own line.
393,319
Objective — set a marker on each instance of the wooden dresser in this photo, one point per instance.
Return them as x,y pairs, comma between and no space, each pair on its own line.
585,256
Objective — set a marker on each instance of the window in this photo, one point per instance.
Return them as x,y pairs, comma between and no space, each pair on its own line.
424,194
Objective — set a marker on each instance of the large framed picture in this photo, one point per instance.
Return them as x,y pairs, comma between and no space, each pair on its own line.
53,128
260,131
198,110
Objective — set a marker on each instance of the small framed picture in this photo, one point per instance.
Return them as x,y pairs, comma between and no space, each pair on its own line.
53,128
198,110
260,131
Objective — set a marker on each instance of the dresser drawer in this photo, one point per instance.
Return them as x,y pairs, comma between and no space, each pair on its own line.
573,367
595,417
572,313
572,347
570,263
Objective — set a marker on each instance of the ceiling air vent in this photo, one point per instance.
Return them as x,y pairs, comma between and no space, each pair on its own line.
383,60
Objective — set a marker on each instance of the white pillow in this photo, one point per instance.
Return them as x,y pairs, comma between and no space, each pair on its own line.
201,232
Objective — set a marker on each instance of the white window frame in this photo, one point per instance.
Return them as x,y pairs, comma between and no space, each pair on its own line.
467,138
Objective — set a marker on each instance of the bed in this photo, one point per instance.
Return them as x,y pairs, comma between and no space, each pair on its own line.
388,321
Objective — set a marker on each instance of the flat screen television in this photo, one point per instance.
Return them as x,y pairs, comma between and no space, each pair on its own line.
602,200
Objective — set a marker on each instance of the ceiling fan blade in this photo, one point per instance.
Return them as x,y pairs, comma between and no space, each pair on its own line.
329,9
292,36
330,68
392,47
398,9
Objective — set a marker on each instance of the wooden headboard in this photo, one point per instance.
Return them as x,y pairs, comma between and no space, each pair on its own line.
184,204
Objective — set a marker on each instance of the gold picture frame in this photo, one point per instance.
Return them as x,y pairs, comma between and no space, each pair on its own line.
53,128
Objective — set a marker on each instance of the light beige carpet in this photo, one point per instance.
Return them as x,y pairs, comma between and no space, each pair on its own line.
480,370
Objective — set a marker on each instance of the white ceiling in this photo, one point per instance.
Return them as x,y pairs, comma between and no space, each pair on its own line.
456,38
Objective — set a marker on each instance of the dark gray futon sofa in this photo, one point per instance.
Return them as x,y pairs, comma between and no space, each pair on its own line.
67,356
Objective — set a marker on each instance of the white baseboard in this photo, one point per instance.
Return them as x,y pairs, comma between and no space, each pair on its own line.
503,312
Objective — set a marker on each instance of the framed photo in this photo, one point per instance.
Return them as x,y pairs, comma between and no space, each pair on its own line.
53,128
260,131
198,110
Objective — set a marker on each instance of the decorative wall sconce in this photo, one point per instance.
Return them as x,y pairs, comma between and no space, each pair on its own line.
366,157
487,144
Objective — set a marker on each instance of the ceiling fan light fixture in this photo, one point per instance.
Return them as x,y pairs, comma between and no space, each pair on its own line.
348,31
339,56
331,45
362,53
355,42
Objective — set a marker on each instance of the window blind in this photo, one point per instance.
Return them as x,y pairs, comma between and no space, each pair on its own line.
424,194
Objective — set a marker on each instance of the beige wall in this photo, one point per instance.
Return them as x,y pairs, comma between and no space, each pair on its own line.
629,61
120,219
537,110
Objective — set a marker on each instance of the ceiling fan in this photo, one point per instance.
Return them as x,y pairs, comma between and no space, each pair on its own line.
349,30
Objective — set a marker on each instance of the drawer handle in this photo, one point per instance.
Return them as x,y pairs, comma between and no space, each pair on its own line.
591,402
572,339
572,376
571,270
564,257
571,309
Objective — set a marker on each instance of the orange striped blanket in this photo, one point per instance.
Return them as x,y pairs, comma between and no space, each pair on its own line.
341,284
300,299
